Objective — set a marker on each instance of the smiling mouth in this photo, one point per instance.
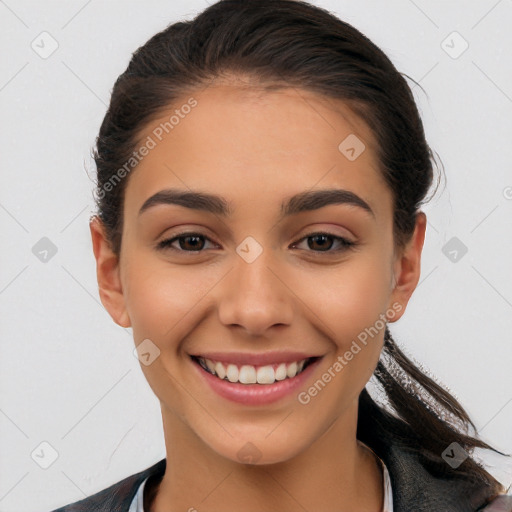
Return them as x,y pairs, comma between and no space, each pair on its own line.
249,374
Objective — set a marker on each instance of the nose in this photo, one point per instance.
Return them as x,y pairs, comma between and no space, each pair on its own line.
256,296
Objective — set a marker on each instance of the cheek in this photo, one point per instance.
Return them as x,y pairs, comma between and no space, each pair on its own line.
161,298
350,302
350,298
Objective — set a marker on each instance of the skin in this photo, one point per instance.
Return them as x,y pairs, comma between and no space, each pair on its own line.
256,149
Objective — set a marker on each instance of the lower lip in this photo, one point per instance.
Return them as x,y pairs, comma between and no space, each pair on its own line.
257,394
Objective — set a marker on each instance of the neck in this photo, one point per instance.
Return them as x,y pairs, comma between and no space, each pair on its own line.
336,473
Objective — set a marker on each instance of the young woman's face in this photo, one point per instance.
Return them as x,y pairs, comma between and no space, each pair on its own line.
277,278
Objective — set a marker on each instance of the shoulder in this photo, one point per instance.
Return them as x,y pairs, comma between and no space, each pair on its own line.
417,485
501,503
117,497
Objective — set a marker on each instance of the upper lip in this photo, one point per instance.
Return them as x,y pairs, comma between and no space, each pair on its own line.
255,359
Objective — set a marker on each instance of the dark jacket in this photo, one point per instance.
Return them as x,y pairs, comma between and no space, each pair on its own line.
414,489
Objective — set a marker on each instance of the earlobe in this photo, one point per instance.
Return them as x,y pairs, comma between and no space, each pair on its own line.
108,274
407,267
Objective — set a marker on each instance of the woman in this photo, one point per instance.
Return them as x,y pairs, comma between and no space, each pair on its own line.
261,170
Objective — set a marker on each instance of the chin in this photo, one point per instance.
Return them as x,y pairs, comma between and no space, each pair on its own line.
258,450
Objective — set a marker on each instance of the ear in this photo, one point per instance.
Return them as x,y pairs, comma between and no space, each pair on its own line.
407,268
107,273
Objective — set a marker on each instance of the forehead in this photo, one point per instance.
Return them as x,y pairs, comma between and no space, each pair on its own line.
248,144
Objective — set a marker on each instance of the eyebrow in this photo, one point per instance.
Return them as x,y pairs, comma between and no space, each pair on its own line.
302,202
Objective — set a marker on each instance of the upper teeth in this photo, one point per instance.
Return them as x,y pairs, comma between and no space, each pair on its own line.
248,374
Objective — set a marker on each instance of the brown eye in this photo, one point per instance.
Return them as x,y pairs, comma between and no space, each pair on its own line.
187,242
323,242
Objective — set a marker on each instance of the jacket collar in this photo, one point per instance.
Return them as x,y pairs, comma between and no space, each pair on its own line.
414,488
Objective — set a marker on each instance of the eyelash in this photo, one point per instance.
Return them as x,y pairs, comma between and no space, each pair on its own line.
345,244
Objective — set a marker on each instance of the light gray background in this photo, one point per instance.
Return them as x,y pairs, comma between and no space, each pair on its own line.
68,374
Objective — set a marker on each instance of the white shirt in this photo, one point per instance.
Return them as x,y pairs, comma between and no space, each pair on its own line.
138,499
388,492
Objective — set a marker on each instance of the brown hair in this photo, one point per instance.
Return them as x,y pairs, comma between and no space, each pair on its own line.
282,43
